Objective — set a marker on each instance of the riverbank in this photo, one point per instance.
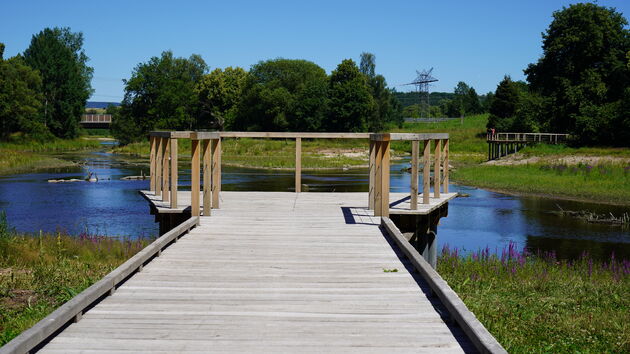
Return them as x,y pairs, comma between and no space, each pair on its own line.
19,156
38,273
537,303
593,175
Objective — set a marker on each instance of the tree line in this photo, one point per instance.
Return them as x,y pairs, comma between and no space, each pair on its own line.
580,85
463,101
43,90
167,92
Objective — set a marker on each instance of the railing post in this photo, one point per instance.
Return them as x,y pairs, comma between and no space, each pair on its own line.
385,177
298,165
165,176
158,166
216,172
152,154
194,177
372,175
207,178
446,167
413,201
378,177
426,172
436,169
173,148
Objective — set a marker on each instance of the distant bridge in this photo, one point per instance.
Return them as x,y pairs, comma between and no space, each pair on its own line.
96,120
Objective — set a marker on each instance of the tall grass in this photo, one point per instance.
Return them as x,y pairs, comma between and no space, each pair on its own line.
40,272
605,182
535,303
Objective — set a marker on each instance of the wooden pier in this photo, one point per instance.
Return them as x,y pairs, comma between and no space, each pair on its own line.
503,144
279,272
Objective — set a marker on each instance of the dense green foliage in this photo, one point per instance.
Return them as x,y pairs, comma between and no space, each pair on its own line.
350,100
219,94
465,101
20,96
275,95
283,95
537,303
581,84
58,55
160,95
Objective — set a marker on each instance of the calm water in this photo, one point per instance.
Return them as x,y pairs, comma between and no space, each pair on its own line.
113,207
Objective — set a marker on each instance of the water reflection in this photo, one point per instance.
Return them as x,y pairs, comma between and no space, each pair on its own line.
113,207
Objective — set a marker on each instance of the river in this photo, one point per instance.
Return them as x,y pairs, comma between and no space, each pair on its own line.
113,207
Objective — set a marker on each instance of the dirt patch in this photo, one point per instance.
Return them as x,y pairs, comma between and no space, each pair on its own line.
18,298
351,153
520,159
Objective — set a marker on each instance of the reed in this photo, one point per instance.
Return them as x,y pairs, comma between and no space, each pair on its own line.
537,303
40,272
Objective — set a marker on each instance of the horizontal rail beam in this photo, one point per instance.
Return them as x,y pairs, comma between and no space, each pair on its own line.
294,135
44,329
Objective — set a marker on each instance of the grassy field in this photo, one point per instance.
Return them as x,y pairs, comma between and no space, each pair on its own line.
38,273
538,304
601,183
25,156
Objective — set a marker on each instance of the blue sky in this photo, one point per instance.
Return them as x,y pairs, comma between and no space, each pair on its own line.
472,41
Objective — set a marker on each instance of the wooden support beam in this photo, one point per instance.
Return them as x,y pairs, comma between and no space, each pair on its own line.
298,165
445,167
207,178
152,143
378,177
385,178
216,172
436,168
372,177
165,166
194,177
426,172
414,175
174,172
158,166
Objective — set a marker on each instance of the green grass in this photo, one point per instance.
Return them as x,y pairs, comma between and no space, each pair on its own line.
603,183
18,155
538,304
562,151
38,273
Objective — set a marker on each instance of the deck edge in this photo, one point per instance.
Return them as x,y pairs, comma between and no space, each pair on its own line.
45,329
481,338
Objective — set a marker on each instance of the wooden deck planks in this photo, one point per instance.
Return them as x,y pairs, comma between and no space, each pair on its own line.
270,272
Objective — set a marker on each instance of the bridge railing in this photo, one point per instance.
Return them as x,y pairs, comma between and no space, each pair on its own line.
551,138
206,162
96,118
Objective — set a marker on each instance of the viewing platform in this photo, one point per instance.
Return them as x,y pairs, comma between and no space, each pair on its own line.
280,272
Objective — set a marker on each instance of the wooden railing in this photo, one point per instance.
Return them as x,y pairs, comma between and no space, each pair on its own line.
96,118
549,138
206,158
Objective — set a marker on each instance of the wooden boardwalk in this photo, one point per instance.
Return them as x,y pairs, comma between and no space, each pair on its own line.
271,272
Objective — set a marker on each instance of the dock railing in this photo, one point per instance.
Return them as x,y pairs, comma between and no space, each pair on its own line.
206,162
549,138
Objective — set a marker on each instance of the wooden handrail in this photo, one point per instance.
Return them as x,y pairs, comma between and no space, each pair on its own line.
164,175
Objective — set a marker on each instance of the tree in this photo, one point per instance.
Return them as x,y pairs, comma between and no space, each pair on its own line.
283,95
583,72
20,97
504,105
350,100
219,94
368,64
160,95
66,79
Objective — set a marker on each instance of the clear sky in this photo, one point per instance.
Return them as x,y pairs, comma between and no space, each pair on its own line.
472,41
